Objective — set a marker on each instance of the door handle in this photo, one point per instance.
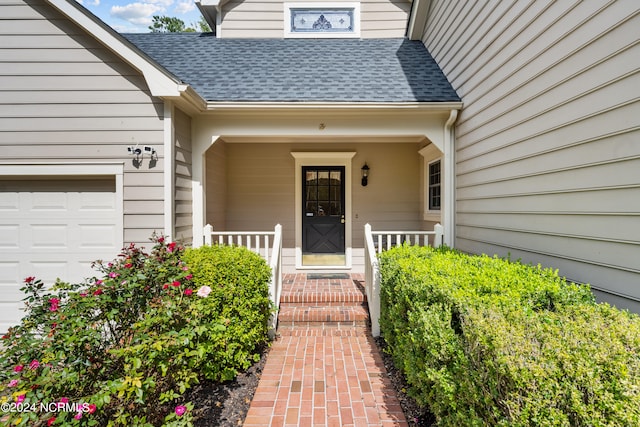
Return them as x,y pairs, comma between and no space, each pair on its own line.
342,220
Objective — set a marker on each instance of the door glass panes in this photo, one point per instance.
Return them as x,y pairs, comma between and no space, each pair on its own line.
323,192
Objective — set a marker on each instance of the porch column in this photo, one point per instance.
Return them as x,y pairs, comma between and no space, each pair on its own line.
169,168
198,187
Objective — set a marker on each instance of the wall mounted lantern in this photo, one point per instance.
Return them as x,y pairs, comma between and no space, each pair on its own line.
365,175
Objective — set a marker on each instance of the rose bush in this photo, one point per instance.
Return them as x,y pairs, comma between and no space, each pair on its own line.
120,348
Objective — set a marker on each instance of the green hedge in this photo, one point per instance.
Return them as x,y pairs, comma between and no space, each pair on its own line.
484,341
240,300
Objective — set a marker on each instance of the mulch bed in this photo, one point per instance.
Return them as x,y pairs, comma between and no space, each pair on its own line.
226,404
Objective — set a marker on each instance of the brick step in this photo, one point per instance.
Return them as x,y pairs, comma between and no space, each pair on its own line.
301,296
354,315
323,331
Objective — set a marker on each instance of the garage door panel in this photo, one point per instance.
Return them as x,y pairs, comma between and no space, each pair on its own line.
93,202
49,236
9,202
9,273
48,271
97,236
9,311
39,202
10,234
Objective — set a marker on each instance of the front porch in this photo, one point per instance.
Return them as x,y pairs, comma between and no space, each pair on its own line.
304,169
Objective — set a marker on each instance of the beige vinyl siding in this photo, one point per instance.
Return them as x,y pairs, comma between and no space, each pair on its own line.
384,19
547,158
265,18
66,98
183,199
260,188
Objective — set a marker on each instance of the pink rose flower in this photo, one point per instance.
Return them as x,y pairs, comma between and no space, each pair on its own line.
78,416
175,283
97,292
18,368
189,276
51,421
171,246
29,279
34,364
204,291
92,408
20,398
180,410
54,304
13,383
188,292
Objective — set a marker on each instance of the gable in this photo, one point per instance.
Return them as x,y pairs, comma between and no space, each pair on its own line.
268,18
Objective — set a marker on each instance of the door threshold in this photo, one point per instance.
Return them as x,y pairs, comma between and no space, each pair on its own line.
324,260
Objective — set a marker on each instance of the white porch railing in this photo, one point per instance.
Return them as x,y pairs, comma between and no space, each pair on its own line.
259,242
375,243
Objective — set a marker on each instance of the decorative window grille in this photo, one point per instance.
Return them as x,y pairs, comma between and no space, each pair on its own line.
322,20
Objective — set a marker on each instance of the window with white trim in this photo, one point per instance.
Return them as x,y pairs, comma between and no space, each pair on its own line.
431,195
434,191
322,20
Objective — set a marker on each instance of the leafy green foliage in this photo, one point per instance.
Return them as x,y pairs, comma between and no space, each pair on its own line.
171,24
167,24
123,349
240,301
485,341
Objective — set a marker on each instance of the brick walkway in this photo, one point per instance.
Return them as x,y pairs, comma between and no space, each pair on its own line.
324,370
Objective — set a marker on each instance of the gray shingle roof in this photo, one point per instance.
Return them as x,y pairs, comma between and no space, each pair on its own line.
299,70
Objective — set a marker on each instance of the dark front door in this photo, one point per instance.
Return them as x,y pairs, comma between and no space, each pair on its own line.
323,210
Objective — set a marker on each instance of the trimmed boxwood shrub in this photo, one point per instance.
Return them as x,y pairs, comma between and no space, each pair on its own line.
239,279
484,341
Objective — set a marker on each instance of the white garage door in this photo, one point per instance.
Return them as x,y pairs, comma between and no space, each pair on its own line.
54,227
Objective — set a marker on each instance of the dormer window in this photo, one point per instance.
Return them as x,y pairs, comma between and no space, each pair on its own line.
332,20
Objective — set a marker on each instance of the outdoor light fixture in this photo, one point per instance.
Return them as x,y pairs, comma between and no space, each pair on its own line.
365,175
139,153
134,151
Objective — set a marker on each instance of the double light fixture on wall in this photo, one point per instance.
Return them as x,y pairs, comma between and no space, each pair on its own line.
138,152
365,174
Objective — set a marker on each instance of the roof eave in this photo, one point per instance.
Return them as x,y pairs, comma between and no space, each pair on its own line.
352,106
